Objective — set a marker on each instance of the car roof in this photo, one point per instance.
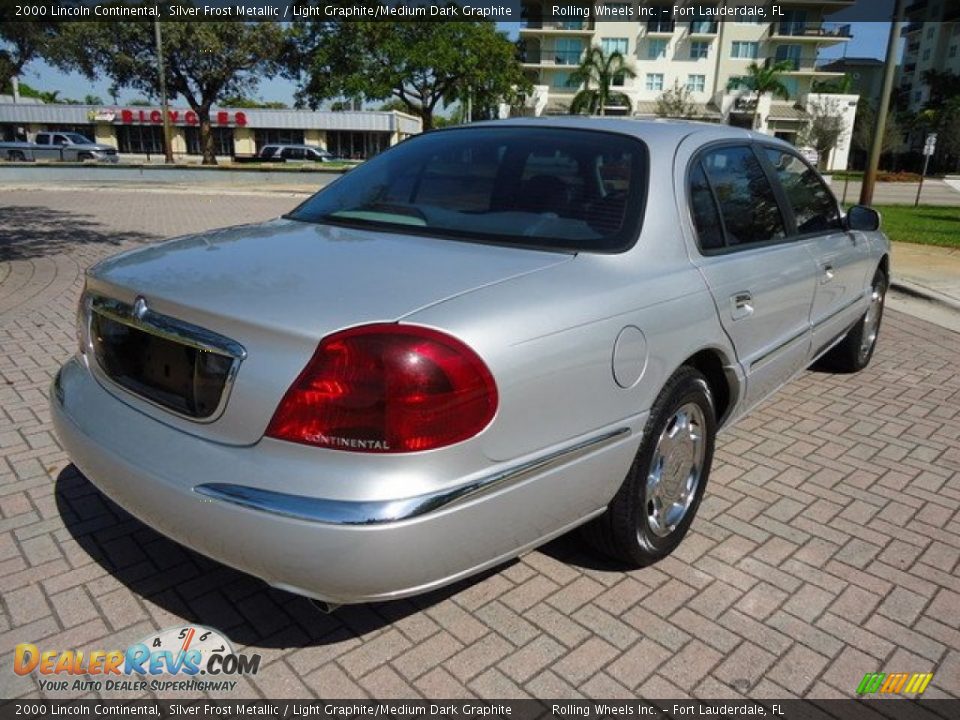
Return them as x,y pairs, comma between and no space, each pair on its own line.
653,131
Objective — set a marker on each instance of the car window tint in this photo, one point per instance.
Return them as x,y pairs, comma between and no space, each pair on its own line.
706,218
814,207
555,188
747,203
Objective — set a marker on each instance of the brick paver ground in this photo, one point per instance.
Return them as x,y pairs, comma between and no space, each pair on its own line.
827,545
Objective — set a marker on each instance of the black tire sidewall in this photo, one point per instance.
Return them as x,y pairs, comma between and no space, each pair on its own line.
686,386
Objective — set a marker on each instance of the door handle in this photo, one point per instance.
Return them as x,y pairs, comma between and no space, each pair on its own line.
827,274
742,305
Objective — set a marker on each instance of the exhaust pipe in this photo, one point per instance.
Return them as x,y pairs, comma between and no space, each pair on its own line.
323,606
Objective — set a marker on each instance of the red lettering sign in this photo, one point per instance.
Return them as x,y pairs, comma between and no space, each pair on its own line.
126,116
240,118
156,116
174,115
191,117
223,118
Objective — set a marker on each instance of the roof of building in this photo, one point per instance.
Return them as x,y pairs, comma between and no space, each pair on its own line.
362,120
787,111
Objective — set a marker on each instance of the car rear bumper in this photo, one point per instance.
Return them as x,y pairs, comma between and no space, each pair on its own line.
205,496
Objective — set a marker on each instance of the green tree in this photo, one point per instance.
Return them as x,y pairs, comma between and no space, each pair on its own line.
677,102
599,73
20,44
203,62
424,65
760,80
864,128
242,101
824,130
92,100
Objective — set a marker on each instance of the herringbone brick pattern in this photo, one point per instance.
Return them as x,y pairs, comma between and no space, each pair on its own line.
827,545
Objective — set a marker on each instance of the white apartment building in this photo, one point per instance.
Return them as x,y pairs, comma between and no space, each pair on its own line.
932,42
700,55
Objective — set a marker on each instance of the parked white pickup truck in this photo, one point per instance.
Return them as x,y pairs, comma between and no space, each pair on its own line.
62,146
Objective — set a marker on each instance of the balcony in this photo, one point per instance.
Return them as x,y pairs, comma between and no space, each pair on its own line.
812,31
566,27
703,28
660,27
551,58
911,28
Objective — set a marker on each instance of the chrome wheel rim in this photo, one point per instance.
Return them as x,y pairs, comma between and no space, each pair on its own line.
675,471
871,321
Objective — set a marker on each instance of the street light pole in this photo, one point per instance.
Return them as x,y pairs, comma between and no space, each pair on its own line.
165,108
890,68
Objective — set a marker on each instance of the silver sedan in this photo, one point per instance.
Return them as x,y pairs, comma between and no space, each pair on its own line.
473,343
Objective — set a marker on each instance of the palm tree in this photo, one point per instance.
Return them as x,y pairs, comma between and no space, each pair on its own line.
763,80
600,70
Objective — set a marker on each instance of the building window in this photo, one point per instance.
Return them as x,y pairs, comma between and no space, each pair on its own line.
953,51
657,50
618,80
654,81
143,139
699,49
567,51
561,80
661,26
356,145
930,31
277,137
696,83
795,23
926,54
745,50
750,21
789,53
222,141
917,96
615,45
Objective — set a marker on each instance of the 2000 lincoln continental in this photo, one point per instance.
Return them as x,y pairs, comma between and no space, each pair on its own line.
476,341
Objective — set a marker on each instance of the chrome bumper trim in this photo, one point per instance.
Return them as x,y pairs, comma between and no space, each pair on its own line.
347,512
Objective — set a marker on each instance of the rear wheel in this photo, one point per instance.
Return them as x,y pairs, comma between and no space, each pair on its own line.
16,156
854,352
659,498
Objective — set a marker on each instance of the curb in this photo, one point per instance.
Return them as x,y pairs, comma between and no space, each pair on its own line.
924,293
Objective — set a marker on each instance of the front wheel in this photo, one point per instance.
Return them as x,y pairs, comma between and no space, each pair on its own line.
659,498
854,352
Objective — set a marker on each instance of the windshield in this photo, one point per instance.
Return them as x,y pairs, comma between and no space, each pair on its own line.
77,139
543,187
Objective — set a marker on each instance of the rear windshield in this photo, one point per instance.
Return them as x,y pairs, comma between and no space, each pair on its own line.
549,188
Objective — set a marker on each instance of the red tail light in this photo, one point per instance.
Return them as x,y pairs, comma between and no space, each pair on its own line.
387,389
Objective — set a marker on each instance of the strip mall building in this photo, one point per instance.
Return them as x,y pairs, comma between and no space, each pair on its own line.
137,132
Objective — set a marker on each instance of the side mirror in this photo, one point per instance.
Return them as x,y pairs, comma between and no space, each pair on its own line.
863,218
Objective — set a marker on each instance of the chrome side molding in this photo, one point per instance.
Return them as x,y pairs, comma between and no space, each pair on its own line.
346,512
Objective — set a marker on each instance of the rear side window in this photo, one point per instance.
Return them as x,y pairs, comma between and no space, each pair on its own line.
814,206
562,189
746,201
706,218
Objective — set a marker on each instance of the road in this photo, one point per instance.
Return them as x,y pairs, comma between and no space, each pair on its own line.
827,546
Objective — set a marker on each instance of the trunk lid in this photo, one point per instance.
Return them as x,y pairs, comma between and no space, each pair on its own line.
277,288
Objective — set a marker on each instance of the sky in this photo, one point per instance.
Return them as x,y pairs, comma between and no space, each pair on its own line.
869,40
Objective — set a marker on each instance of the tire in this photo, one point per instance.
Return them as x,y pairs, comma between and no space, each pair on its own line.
658,500
84,156
16,156
853,353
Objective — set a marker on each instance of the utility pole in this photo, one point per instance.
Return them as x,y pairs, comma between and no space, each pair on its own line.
164,106
890,68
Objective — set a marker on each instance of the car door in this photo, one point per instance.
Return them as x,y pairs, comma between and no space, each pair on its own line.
292,154
761,279
841,256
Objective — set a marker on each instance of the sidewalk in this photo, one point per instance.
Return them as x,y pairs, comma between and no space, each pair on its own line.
929,271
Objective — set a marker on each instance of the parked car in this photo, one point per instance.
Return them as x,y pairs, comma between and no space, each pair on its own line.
295,153
63,146
478,340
